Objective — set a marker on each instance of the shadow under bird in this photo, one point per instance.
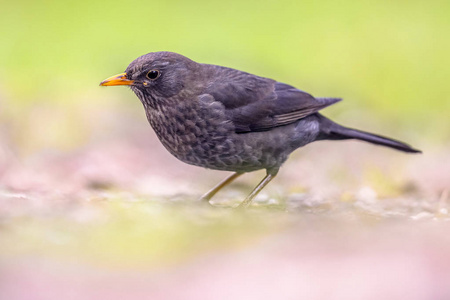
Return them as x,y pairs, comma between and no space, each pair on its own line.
225,119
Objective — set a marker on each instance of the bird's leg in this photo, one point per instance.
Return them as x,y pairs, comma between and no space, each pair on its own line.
214,190
269,176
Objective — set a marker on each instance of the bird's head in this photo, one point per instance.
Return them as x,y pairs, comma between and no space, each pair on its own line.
156,76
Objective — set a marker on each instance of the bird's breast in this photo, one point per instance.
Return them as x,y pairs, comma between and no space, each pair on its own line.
201,135
195,134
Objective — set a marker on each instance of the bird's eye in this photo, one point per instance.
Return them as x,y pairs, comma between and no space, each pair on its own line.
153,74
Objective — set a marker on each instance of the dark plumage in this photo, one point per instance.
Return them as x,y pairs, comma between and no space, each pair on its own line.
225,119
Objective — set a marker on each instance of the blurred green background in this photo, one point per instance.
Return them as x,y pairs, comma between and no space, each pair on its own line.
389,60
86,190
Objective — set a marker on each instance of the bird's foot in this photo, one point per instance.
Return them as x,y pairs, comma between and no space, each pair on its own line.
203,201
243,205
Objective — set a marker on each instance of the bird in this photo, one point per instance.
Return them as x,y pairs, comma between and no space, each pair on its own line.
226,119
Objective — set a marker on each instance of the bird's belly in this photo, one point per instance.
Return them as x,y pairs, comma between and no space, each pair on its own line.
214,151
223,149
212,142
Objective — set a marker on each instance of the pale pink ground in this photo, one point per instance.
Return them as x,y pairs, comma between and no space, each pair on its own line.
405,255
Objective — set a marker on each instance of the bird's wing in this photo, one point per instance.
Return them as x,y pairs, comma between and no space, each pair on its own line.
234,88
254,103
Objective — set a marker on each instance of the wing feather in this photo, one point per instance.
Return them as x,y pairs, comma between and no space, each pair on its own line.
255,103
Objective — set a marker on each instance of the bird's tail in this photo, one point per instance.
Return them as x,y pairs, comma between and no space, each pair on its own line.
332,131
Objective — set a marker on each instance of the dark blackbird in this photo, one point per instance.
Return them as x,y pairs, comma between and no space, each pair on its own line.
224,119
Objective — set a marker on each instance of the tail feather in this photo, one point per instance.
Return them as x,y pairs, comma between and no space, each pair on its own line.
332,131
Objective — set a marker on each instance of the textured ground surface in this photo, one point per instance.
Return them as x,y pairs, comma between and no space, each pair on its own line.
104,212
120,220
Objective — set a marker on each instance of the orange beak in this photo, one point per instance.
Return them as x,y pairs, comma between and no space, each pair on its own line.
119,79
